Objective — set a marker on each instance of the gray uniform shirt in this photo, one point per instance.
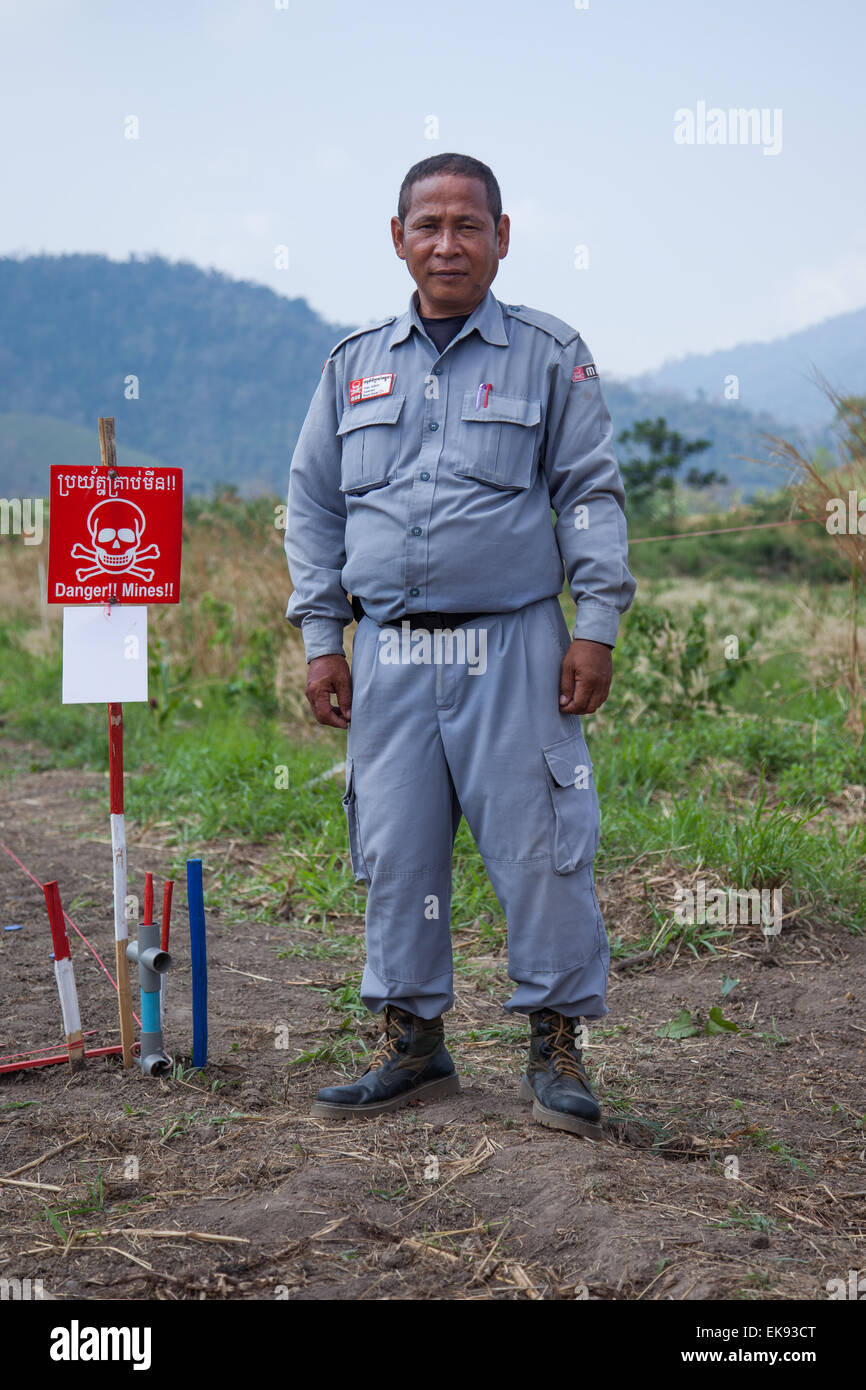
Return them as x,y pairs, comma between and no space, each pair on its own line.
416,488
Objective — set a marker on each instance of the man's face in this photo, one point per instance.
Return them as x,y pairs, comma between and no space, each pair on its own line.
450,244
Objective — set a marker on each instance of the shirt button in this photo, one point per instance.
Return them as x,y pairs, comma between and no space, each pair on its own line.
416,530
413,593
514,306
434,425
425,477
437,371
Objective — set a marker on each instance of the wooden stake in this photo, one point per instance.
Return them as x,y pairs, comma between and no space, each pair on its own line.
107,450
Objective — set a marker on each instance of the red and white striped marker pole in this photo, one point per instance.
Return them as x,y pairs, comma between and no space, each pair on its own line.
65,977
118,850
108,458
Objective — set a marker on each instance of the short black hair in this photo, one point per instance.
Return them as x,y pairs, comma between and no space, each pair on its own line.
451,164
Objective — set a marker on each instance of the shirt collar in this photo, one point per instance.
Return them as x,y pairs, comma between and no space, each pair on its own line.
486,317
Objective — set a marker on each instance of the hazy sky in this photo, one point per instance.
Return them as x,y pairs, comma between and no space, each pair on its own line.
262,125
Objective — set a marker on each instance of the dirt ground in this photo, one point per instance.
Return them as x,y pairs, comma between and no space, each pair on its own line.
240,1194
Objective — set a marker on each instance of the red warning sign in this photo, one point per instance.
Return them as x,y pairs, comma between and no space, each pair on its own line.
115,538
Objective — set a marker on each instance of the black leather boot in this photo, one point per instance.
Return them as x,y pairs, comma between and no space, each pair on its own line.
410,1063
555,1080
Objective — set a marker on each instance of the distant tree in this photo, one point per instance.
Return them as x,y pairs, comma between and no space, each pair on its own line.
650,478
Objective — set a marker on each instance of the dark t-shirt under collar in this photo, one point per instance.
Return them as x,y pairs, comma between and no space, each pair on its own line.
443,330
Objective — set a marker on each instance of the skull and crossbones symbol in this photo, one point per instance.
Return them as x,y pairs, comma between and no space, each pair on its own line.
116,526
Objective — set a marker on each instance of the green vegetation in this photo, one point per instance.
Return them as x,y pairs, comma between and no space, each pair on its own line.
730,758
687,1026
651,482
746,1219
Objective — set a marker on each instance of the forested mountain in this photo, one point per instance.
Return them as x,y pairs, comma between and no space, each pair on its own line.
224,371
777,377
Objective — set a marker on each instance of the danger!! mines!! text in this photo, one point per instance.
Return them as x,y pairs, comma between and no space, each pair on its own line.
88,592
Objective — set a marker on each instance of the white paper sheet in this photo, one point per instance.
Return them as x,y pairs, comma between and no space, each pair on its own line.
104,654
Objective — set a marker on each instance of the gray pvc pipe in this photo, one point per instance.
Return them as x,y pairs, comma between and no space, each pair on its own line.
152,963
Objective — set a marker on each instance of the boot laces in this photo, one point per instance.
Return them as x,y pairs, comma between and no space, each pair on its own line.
388,1045
563,1049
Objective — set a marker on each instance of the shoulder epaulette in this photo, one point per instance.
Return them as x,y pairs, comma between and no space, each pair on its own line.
371,328
549,323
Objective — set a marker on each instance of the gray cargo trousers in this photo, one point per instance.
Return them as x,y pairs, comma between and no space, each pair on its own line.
472,726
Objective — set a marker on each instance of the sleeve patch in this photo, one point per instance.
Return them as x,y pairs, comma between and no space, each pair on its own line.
585,373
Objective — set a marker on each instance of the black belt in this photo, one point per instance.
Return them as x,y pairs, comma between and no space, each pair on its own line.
430,621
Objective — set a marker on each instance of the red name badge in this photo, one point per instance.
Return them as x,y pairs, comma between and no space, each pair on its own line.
365,388
115,539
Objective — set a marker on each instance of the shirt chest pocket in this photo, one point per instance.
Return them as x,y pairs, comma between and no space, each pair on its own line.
498,442
370,431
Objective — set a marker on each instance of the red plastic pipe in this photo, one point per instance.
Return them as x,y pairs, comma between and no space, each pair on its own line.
64,1057
166,913
115,759
147,916
32,1051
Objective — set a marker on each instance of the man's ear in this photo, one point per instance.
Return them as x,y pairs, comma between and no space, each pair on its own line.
397,237
503,235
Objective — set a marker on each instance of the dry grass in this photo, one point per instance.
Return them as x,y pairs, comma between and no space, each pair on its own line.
815,489
234,583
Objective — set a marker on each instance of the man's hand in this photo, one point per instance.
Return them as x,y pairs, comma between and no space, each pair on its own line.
584,681
327,676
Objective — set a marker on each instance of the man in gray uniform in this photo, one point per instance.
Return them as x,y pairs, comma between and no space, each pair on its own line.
422,484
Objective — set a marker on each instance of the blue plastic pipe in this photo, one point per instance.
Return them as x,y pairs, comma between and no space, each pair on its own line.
198,956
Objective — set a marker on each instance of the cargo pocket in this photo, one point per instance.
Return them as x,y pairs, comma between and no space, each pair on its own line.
577,824
498,443
370,432
350,804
